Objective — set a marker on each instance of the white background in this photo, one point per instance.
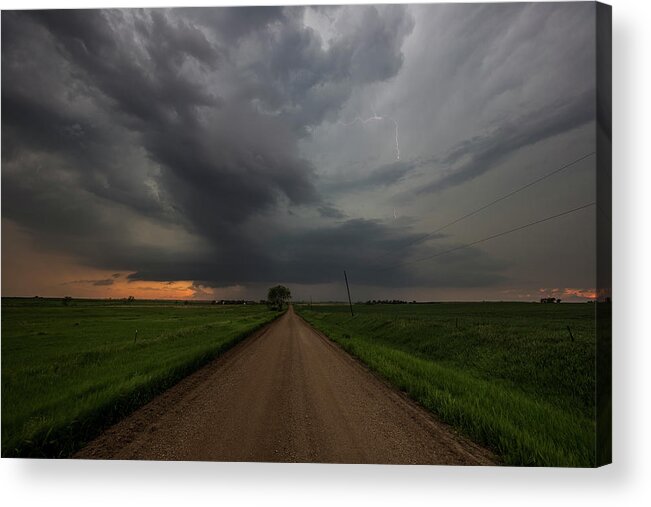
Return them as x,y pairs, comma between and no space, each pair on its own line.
626,482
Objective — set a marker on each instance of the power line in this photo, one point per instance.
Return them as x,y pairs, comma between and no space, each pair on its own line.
504,233
499,199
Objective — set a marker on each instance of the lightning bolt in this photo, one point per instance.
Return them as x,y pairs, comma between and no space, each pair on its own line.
375,117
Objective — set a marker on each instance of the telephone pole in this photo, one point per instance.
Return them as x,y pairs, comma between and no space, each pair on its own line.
350,303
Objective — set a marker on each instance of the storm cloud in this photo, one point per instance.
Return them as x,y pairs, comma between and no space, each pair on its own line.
214,144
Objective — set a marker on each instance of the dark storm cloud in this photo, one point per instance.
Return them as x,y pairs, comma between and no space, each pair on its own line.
389,174
231,25
475,156
374,252
169,143
104,46
384,176
227,180
329,211
504,77
223,166
294,76
104,282
120,119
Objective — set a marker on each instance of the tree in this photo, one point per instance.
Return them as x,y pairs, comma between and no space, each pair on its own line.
278,296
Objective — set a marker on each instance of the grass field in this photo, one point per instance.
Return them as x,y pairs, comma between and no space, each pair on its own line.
506,374
70,371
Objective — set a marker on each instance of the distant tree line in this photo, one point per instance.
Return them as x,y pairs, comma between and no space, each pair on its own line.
234,302
218,302
387,302
550,300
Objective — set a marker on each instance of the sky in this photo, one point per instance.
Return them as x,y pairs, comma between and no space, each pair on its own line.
211,153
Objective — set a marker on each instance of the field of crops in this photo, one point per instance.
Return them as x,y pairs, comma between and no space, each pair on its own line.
509,375
69,370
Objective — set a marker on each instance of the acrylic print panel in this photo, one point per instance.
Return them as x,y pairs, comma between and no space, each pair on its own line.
341,234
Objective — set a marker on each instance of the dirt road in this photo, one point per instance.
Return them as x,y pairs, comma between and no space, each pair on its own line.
285,394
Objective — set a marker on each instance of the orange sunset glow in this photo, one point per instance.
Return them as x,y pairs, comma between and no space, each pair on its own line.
569,292
27,271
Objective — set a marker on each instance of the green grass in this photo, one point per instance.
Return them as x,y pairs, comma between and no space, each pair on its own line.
70,371
506,374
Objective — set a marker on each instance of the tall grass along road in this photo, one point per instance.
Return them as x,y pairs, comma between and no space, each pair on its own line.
70,371
286,394
516,377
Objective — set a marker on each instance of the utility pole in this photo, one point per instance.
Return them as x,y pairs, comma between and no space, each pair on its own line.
348,290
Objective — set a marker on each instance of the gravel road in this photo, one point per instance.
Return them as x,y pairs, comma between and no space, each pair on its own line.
285,394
